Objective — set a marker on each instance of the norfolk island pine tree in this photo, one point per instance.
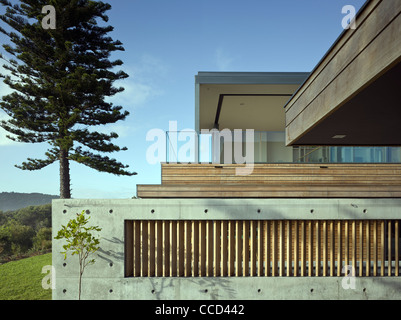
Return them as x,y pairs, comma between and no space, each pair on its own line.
61,78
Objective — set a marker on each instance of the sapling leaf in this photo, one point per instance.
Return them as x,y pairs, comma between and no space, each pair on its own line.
80,241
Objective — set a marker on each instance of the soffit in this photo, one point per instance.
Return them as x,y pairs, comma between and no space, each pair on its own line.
244,106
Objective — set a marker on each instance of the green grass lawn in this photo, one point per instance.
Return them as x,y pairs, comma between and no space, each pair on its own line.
22,280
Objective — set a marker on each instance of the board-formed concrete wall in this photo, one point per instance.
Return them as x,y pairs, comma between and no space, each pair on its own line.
105,279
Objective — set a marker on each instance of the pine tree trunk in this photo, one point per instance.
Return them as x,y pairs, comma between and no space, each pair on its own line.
65,190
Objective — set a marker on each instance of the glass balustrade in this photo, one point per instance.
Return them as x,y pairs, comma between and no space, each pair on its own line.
241,146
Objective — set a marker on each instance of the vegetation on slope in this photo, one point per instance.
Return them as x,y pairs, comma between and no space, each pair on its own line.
22,279
25,232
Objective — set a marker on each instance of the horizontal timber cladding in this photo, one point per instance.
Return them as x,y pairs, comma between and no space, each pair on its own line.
276,181
267,191
283,174
242,248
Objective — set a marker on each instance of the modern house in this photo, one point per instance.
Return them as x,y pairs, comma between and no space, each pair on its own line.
311,210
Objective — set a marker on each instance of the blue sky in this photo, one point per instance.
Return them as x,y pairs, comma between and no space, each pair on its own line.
166,44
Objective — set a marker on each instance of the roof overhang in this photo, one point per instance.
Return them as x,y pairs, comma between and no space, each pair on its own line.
244,100
353,96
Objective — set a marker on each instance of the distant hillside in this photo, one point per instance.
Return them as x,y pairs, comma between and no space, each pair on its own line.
10,201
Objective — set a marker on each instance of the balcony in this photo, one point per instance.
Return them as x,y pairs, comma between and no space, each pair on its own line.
224,165
239,147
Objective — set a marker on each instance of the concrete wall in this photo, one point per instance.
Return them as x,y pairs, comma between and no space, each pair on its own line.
105,279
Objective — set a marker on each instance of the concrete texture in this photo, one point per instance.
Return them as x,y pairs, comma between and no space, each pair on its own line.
105,279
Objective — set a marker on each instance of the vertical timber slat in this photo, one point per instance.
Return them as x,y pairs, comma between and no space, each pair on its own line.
260,248
368,263
375,248
353,246
245,248
173,248
396,247
129,249
324,249
281,247
274,243
303,249
346,246
360,248
339,255
266,233
332,249
224,248
288,259
231,248
296,248
195,248
317,248
382,248
389,247
310,249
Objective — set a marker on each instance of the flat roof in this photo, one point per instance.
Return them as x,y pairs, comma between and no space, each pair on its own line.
204,77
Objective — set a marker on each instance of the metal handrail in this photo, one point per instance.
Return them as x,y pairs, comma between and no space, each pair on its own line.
305,155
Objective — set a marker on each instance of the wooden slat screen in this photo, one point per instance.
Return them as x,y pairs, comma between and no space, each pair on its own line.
242,248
